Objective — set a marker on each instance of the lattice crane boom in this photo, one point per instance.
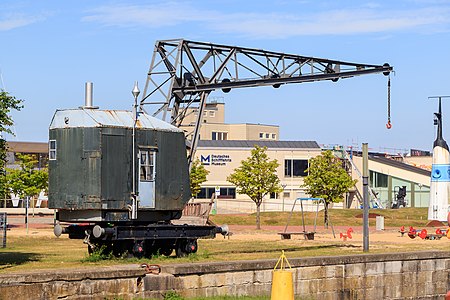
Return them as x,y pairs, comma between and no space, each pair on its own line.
183,73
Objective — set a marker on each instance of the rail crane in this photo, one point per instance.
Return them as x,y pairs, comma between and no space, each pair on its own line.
120,178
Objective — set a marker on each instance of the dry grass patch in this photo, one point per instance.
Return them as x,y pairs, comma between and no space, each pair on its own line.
339,217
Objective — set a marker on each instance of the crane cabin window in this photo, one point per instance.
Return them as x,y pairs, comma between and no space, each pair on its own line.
52,150
147,165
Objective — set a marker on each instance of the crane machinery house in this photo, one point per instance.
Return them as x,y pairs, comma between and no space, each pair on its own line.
98,187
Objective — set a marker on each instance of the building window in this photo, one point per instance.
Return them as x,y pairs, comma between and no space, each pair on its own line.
274,136
286,195
274,196
147,165
225,193
52,150
267,135
205,193
295,167
219,136
261,135
378,179
212,113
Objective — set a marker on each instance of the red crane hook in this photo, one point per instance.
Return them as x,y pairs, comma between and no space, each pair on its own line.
388,125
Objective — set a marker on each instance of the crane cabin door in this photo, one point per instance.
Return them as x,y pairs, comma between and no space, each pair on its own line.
147,159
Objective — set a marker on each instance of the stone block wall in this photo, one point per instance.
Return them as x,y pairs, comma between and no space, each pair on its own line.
117,282
418,275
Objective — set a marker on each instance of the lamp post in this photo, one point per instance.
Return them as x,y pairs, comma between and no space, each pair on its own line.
134,204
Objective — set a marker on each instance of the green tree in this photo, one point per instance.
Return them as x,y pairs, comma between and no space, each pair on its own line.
257,177
8,103
27,180
327,179
198,176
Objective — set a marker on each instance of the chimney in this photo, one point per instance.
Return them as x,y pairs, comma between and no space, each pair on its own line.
89,92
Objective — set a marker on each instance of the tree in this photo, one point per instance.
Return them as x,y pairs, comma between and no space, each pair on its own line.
26,180
198,176
327,179
7,104
256,177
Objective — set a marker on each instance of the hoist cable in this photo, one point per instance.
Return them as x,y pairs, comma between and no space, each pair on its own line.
388,124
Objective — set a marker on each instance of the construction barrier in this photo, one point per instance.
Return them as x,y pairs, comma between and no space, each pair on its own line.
282,281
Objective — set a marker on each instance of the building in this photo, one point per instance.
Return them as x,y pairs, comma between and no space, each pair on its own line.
220,158
40,150
214,126
387,176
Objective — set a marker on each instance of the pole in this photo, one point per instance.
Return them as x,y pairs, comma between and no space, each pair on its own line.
134,204
365,197
3,222
27,199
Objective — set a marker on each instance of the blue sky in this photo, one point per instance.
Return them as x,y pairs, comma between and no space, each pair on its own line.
50,48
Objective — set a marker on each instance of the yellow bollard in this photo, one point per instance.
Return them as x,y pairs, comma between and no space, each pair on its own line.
282,283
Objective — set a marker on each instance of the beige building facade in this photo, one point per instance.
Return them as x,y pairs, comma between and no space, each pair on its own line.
220,158
214,127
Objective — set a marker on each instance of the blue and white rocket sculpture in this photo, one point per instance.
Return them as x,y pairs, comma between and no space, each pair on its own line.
440,175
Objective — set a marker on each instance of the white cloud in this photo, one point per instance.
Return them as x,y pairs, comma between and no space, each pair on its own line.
15,20
371,19
167,14
12,21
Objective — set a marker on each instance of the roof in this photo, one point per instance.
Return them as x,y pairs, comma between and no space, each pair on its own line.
74,118
268,144
27,147
400,165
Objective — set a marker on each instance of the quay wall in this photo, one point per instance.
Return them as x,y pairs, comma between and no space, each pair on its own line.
412,275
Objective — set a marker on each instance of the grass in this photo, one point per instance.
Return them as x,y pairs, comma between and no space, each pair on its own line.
339,217
29,252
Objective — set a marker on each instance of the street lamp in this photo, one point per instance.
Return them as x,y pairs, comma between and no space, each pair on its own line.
134,204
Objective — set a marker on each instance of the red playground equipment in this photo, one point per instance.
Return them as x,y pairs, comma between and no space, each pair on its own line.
423,234
346,235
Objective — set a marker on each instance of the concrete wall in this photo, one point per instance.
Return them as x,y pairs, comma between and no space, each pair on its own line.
421,275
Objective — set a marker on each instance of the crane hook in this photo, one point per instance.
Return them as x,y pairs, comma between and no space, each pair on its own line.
388,124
